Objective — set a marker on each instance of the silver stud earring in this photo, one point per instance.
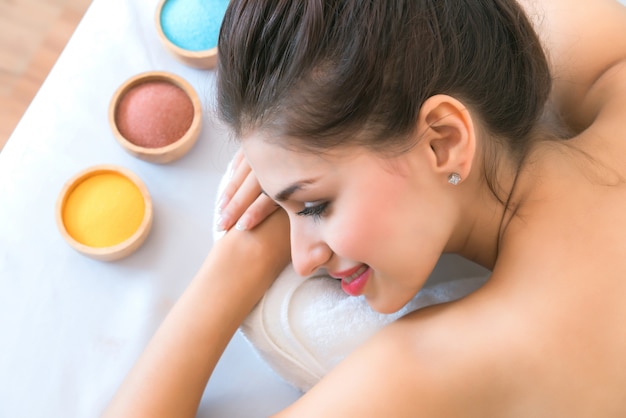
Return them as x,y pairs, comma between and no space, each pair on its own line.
454,179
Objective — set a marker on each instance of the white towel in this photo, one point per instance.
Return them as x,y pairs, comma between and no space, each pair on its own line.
304,326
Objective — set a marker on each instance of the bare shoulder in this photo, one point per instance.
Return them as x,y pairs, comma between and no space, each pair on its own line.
444,361
570,26
583,40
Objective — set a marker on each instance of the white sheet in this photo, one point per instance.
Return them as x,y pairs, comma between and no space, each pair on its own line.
71,327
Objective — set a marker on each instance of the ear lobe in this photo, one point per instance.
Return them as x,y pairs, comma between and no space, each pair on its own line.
450,134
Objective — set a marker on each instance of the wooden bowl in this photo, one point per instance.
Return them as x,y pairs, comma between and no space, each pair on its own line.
167,153
119,248
204,60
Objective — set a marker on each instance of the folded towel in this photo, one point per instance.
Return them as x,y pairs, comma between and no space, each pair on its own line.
304,326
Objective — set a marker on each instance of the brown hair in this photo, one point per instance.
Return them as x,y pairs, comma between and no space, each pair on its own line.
333,72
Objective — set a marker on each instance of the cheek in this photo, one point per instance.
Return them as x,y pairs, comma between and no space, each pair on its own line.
354,238
359,231
374,218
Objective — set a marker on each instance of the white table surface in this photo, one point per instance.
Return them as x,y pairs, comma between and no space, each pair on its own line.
71,327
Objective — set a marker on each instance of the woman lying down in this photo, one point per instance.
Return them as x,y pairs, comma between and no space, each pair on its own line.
389,133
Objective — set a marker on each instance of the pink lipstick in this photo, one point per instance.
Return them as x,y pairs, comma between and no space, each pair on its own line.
354,280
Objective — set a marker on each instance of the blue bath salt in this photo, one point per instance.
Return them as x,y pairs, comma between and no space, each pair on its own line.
193,25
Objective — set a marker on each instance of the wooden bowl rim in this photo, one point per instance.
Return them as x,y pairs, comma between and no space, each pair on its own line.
190,136
114,251
185,53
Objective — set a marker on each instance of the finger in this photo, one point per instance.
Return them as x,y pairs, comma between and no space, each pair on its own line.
236,160
245,195
257,212
237,177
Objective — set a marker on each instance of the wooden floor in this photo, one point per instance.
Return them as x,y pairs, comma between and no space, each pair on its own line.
32,35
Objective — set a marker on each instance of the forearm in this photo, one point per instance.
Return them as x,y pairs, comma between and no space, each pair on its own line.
170,376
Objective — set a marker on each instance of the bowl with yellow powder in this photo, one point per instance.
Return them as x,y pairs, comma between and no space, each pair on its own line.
156,116
104,212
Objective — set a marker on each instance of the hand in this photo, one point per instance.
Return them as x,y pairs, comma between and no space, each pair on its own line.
266,246
242,204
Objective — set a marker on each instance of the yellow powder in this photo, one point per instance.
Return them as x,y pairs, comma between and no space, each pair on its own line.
103,210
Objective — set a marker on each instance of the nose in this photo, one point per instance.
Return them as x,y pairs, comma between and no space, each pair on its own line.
308,251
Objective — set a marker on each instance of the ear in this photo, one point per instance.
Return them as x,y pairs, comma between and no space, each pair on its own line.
449,134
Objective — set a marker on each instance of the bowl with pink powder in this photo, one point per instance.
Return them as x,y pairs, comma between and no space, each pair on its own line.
156,116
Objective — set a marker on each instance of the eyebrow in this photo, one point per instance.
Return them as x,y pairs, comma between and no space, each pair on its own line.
286,193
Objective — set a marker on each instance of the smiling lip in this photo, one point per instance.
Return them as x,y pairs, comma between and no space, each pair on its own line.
354,280
346,273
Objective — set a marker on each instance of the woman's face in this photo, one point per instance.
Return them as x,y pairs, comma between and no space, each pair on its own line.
378,224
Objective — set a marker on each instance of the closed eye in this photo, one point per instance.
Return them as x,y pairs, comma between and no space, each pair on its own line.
316,211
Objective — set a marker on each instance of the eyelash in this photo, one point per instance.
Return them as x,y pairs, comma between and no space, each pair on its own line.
317,211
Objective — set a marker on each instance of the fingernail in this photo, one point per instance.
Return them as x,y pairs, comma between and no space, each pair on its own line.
242,224
222,222
231,170
221,203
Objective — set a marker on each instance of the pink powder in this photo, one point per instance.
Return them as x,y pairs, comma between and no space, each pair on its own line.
154,114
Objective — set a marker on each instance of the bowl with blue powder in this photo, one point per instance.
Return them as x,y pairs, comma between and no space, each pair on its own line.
189,29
